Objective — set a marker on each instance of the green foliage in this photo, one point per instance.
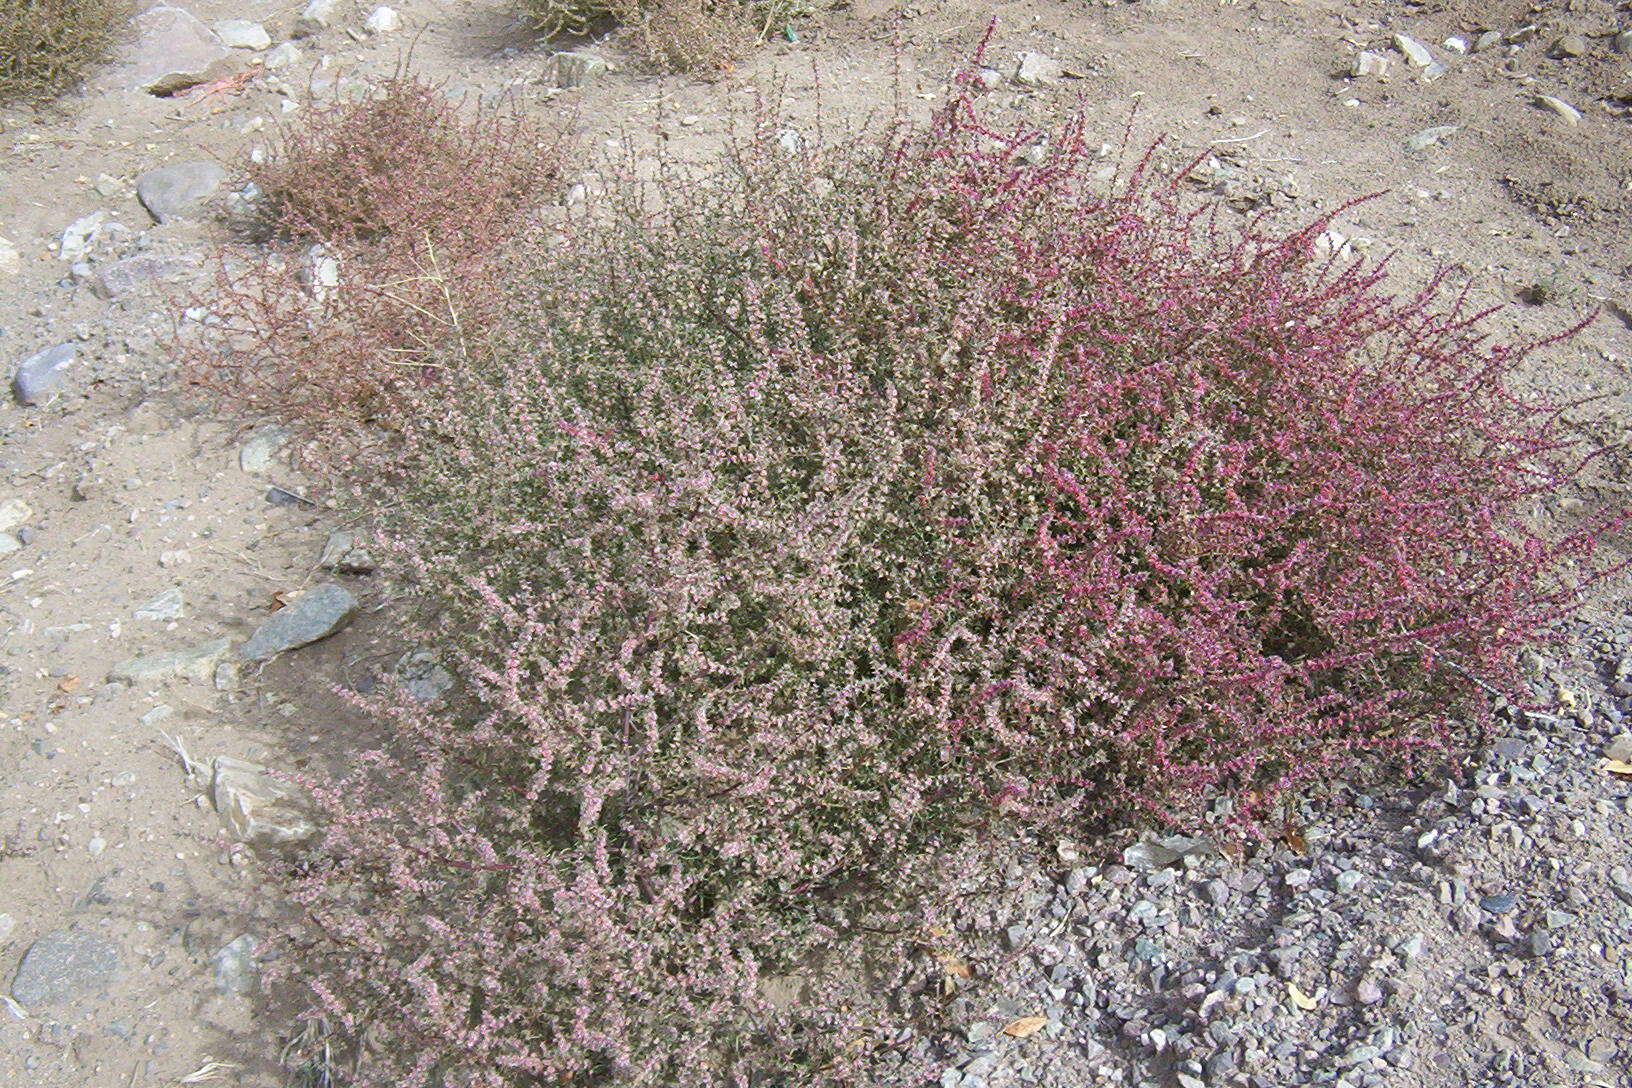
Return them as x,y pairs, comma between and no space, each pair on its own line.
1552,285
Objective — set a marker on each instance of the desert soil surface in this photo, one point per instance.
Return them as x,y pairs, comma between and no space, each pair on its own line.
1478,930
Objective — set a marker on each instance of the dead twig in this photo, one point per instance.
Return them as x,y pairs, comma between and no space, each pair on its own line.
233,84
210,1070
193,768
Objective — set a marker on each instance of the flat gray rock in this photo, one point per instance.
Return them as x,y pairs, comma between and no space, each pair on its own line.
169,605
14,512
382,20
41,374
196,664
64,964
133,274
1036,69
1428,137
315,614
576,69
255,456
343,553
1367,63
423,677
243,34
1414,51
1151,854
1570,114
78,237
316,17
178,190
172,51
235,968
283,56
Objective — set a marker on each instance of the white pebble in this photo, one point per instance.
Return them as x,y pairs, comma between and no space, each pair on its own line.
382,20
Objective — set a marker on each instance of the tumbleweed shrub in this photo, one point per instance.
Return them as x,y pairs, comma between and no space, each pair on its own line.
381,220
47,46
576,17
824,514
700,36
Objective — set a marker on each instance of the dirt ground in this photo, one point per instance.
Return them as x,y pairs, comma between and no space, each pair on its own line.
133,489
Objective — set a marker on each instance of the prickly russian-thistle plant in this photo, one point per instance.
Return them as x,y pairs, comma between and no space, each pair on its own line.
859,502
383,218
47,46
701,36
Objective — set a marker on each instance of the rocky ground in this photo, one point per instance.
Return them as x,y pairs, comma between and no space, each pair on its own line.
1475,932
170,586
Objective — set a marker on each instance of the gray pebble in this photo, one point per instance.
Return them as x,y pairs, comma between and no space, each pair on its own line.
577,69
1570,45
1414,51
316,17
243,34
40,375
168,605
235,966
255,456
1569,113
1036,69
1367,992
1428,137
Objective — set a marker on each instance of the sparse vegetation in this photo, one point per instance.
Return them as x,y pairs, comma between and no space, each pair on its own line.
700,36
1550,286
47,46
403,162
577,17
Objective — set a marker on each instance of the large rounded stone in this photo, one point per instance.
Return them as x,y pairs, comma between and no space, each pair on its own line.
172,51
178,190
64,964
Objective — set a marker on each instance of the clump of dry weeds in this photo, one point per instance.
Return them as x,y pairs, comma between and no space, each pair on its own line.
382,219
698,36
46,46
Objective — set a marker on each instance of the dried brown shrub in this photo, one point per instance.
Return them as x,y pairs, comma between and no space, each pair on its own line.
699,36
577,17
383,220
46,46
402,161
703,37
